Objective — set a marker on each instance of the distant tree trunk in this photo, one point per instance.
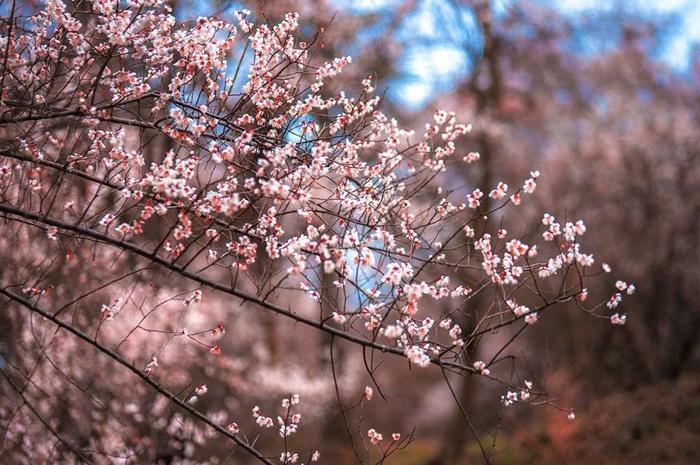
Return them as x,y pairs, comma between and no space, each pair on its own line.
487,96
457,433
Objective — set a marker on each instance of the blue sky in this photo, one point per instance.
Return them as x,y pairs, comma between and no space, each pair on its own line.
428,69
677,54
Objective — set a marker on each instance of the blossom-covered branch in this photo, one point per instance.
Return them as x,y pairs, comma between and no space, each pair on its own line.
161,181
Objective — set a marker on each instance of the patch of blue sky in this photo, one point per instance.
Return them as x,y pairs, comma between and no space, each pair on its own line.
238,65
434,57
6,9
425,71
367,35
680,21
682,40
301,132
435,41
367,6
192,9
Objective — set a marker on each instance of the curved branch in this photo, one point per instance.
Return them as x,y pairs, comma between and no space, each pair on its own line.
155,385
154,257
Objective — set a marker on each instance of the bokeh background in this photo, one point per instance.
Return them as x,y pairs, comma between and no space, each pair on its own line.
603,97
